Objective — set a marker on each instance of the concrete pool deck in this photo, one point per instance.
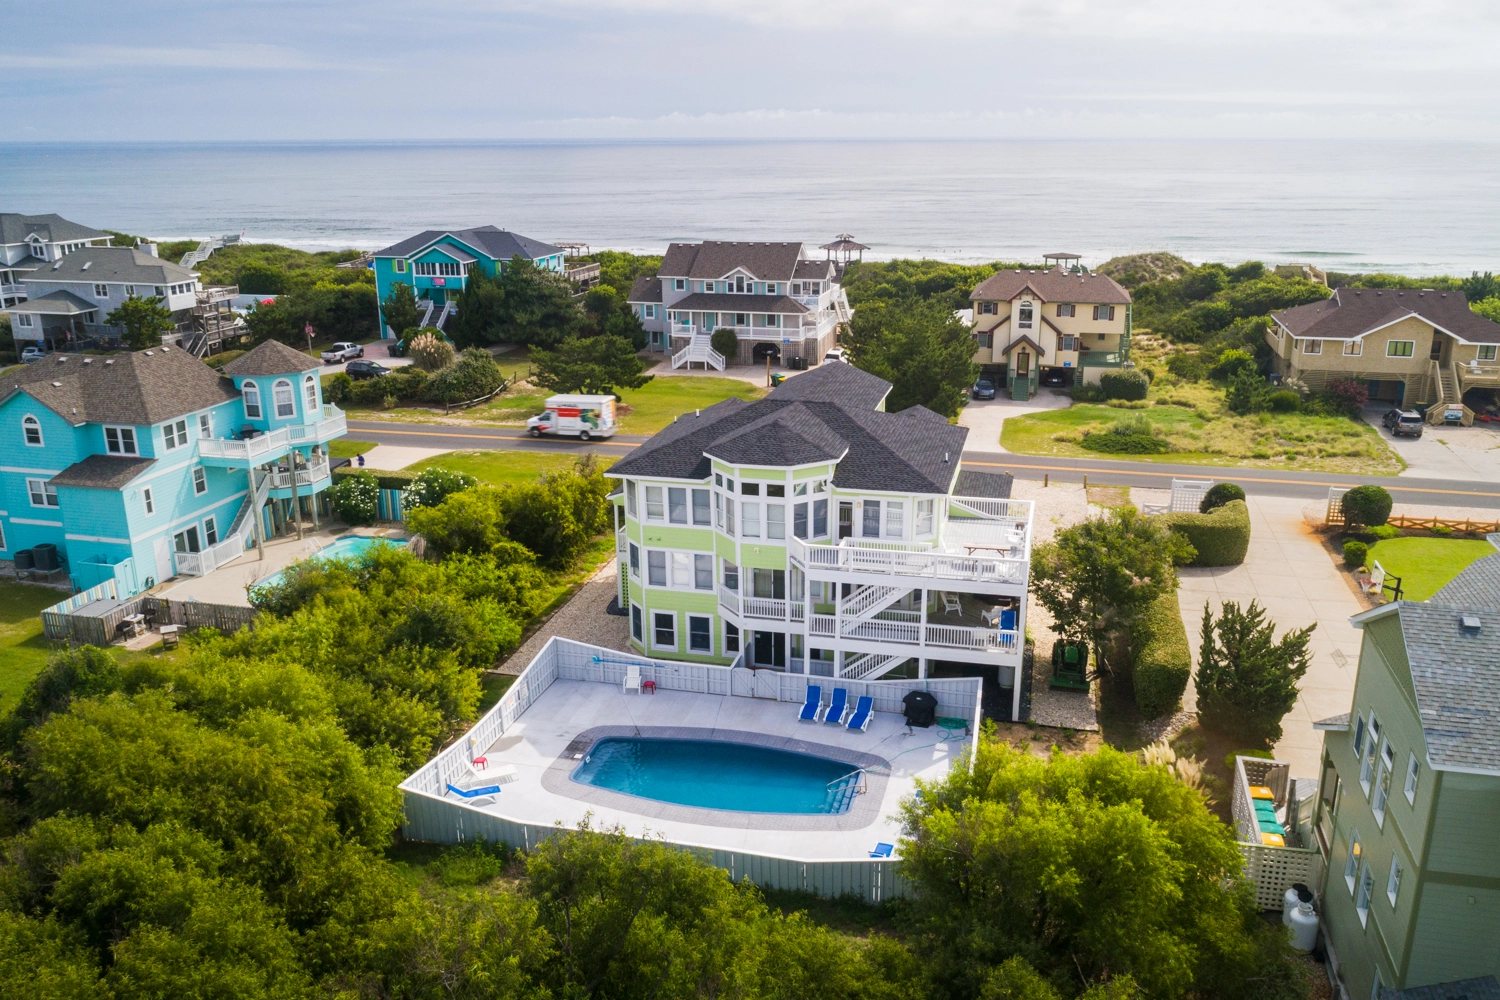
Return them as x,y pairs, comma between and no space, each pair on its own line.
540,745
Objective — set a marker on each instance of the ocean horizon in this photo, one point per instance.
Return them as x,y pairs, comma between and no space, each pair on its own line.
1418,208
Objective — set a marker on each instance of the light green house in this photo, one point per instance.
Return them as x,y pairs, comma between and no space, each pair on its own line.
813,532
1408,815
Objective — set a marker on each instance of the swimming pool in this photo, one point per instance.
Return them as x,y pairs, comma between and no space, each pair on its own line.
720,775
347,547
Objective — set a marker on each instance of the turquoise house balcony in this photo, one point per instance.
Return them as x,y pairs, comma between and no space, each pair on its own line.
263,448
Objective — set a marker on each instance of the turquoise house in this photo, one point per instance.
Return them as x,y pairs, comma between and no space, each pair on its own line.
142,466
436,265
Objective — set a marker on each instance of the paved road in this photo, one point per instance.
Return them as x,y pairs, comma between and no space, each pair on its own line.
1259,482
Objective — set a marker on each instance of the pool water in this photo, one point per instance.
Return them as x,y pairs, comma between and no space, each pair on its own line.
716,775
347,547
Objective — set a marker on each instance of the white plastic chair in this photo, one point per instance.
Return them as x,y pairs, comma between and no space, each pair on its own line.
951,603
632,678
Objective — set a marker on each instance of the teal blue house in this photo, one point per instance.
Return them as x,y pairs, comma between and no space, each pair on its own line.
436,264
142,466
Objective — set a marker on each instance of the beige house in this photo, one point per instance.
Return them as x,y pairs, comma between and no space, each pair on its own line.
1031,323
1408,346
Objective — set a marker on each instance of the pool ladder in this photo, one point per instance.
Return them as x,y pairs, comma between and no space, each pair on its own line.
842,789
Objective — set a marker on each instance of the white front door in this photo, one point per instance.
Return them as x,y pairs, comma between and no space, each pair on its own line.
163,559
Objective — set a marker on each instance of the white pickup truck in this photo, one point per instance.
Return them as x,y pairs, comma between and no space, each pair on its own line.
341,352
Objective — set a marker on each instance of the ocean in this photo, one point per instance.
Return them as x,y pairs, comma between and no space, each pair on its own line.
1418,208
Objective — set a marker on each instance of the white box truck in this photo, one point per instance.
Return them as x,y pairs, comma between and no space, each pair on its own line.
583,417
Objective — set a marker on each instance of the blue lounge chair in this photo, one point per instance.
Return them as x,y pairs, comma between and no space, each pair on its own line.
1008,619
863,710
882,850
837,707
474,793
813,704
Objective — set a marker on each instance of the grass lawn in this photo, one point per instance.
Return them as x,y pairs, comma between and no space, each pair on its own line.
344,448
1426,564
1202,431
500,468
23,651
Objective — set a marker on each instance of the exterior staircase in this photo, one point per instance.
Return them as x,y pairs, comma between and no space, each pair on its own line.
1449,382
870,666
868,601
425,307
1023,387
450,309
699,349
206,249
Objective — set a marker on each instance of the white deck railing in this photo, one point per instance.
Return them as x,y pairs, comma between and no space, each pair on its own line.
265,447
306,476
929,564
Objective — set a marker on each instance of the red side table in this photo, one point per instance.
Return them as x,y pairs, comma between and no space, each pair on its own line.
648,686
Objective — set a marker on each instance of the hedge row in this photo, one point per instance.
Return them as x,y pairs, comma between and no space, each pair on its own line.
1162,658
1222,536
387,480
1124,383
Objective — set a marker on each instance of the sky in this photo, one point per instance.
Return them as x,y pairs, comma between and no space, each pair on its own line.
171,70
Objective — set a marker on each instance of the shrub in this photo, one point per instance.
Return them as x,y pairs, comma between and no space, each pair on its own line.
1284,401
1124,383
1125,444
338,387
474,374
1440,529
1368,506
1221,536
384,479
1348,396
1162,657
1355,553
430,353
1084,392
1232,362
1381,532
1218,495
355,498
402,384
1188,367
727,343
432,486
1258,754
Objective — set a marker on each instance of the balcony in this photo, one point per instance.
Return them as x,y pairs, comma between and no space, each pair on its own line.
906,628
273,445
1101,359
309,478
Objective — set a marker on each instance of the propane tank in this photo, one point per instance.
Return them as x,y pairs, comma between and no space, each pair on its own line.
1303,923
1295,895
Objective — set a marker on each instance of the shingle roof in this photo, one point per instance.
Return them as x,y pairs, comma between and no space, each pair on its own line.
497,244
103,472
713,259
831,416
1478,586
1353,312
1483,988
645,289
815,270
731,302
112,264
27,263
993,485
56,304
14,228
144,387
270,357
1055,285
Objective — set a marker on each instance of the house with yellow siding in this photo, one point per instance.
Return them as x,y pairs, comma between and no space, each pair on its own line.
1068,322
1407,346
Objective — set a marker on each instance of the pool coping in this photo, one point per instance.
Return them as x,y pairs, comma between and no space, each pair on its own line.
863,811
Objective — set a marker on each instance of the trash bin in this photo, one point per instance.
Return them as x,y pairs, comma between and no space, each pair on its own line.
777,379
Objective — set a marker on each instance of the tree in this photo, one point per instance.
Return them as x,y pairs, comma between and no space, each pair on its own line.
1247,681
399,309
1247,392
1097,578
595,365
920,348
1366,506
481,309
538,306
727,343
1220,494
473,375
145,321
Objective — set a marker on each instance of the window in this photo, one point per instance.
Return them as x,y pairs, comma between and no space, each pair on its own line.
310,394
31,431
679,284
200,481
731,576
635,561
1351,863
251,393
1383,783
1413,767
924,517
1352,348
799,520
148,500
286,405
210,531
987,308
700,633
772,288
1366,890
820,518
729,516
1067,342
1486,352
664,631
775,490
656,568
160,290
635,623
400,265
750,519
630,498
1359,738
205,426
23,319
872,519
719,511
1024,315
424,270
43,493
1393,882
731,638
677,505
1312,347
655,509
187,541
1067,309
895,519
1367,766
175,434
101,291
1104,313
1399,348
775,520
121,440
703,571
773,320
984,339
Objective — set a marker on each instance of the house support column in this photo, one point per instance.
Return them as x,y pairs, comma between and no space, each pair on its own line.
255,513
291,464
922,661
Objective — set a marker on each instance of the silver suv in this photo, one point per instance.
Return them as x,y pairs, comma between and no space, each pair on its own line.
1400,422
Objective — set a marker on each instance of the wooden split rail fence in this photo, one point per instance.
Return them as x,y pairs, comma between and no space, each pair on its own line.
1478,527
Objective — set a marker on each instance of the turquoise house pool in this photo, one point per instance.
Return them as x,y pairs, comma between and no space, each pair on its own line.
347,547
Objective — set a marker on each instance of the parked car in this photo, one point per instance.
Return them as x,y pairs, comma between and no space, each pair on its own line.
836,354
341,352
32,353
983,389
1057,377
1400,422
365,369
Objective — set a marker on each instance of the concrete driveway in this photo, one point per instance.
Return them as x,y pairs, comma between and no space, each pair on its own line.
378,351
1444,452
985,418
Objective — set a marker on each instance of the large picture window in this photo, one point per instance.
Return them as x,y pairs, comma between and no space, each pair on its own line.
1400,348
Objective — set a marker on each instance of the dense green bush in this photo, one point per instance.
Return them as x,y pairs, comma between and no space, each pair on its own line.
387,479
337,388
1381,532
1222,536
474,374
404,384
1284,401
355,498
727,343
1087,392
1220,494
1124,383
1367,506
1162,659
1355,553
432,486
1134,435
